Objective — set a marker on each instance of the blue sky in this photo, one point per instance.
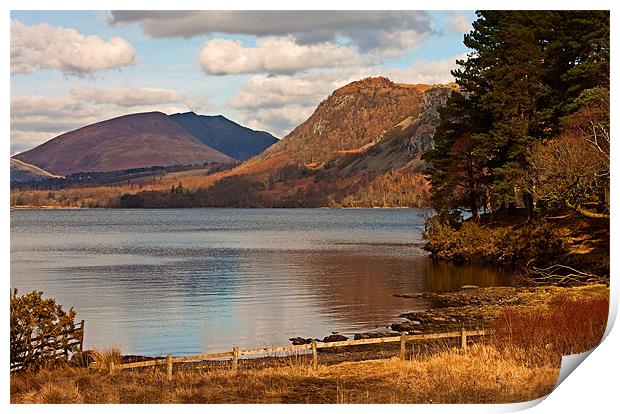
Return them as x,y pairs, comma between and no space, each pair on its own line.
267,71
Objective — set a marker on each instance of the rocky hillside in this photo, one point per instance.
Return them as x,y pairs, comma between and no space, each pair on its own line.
401,146
22,172
350,118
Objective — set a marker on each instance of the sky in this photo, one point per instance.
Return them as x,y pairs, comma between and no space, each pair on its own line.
263,69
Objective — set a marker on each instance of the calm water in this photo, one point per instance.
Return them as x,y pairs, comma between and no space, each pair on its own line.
189,281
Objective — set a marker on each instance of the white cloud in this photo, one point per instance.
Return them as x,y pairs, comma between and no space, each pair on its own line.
370,31
24,140
425,71
49,106
280,121
271,54
274,91
459,22
66,50
134,96
391,44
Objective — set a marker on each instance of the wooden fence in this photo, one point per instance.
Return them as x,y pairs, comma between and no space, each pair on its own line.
50,348
314,346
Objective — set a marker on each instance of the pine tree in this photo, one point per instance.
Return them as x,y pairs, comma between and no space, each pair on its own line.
520,79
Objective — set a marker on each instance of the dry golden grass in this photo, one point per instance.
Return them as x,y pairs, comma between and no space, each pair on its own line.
103,358
479,375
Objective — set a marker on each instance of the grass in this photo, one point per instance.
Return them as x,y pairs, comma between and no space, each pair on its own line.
520,362
102,358
480,374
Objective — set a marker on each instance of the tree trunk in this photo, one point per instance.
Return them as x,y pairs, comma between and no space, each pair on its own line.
473,205
528,200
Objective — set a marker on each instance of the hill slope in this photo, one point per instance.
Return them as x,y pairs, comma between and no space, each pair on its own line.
401,146
351,117
22,172
130,141
224,135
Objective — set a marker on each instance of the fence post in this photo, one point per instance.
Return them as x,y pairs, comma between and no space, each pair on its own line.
463,339
235,357
82,339
315,356
111,367
403,349
169,367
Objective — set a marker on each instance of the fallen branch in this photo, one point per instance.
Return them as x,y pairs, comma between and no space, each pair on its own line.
588,213
562,275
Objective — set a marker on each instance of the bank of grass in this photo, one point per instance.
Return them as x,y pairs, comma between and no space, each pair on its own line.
480,374
558,237
519,362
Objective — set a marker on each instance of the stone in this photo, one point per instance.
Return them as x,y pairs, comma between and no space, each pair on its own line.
335,338
402,326
298,340
467,287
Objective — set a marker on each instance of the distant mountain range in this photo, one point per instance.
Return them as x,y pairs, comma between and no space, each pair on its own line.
145,140
362,147
22,172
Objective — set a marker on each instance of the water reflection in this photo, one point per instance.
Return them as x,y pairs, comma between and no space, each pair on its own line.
358,289
191,281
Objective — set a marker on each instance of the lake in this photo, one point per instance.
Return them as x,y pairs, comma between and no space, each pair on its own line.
185,282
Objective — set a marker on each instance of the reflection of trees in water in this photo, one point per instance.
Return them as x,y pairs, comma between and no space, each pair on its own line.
443,275
355,287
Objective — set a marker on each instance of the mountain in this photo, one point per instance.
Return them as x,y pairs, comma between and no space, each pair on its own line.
22,172
350,118
130,141
361,147
146,140
400,147
224,135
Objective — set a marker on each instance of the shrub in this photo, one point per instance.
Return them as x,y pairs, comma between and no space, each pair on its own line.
103,358
38,330
533,244
468,242
565,326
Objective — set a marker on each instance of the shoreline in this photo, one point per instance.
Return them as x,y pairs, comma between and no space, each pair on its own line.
30,207
47,208
505,369
469,307
473,307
